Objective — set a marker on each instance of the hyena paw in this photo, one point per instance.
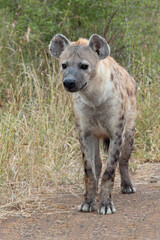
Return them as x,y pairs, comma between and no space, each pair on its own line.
106,208
86,207
128,188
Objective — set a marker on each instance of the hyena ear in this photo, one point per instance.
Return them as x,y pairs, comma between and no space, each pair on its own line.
57,45
99,46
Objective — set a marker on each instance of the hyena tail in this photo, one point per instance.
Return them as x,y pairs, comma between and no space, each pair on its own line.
106,142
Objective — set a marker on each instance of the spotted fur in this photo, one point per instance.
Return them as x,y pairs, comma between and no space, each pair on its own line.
104,96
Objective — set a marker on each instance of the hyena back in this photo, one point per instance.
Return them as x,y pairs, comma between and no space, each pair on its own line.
104,96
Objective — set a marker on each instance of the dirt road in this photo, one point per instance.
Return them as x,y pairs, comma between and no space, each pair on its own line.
137,216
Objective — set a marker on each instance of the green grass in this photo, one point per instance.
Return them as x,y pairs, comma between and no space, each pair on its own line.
147,137
38,140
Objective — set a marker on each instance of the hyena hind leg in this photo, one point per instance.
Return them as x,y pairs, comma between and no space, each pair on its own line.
126,150
98,161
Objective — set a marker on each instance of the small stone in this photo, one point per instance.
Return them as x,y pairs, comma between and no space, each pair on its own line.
154,179
81,225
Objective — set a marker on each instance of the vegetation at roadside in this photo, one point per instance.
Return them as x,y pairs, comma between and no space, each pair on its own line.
38,140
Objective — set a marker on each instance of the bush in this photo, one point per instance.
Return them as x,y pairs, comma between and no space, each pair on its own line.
128,26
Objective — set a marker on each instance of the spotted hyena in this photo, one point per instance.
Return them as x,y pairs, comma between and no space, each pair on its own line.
104,96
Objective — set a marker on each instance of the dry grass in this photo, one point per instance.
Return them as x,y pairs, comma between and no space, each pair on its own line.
147,137
39,146
38,141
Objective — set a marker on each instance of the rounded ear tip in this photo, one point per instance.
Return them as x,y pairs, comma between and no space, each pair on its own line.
94,35
99,45
57,45
59,35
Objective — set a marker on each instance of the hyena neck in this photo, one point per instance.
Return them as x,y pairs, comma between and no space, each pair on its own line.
99,88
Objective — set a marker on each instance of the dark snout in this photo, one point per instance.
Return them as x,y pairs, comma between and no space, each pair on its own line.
69,84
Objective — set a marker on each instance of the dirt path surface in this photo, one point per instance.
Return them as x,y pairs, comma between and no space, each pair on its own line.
137,216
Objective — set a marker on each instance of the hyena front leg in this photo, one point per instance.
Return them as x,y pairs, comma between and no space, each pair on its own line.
89,147
106,205
126,150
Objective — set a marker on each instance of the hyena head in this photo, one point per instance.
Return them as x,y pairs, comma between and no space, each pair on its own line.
78,60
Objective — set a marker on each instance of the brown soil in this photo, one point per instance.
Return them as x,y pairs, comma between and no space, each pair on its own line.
137,216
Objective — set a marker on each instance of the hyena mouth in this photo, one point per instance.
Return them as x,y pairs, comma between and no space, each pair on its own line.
83,86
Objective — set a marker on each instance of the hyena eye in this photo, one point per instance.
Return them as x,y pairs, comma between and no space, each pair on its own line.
64,65
84,66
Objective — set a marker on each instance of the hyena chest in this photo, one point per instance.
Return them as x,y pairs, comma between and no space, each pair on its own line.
98,125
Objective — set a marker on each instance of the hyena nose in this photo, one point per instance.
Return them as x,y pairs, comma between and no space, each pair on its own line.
69,83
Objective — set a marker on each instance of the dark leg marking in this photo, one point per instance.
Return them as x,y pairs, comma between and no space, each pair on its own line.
106,205
126,184
106,143
89,152
88,205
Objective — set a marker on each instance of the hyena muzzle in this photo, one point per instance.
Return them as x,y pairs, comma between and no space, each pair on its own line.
104,97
